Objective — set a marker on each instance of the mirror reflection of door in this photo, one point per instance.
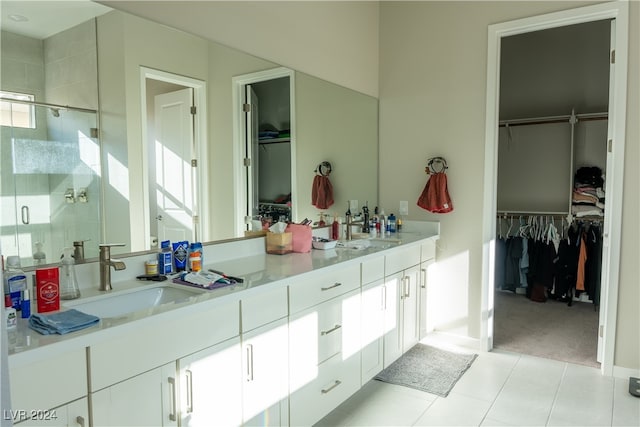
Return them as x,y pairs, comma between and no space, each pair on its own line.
268,149
172,179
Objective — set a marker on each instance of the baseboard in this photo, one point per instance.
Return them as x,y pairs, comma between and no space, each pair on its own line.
453,339
621,372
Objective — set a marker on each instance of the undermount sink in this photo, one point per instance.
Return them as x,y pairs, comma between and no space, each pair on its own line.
378,242
107,306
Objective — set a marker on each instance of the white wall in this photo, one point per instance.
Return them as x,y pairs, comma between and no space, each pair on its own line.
433,61
336,40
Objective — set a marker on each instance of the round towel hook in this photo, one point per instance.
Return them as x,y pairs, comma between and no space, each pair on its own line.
323,169
436,165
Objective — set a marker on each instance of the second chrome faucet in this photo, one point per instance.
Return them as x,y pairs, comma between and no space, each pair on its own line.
106,262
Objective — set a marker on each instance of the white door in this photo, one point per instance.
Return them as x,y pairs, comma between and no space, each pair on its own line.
251,151
175,176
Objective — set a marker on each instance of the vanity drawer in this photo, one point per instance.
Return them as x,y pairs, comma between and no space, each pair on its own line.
401,258
337,379
158,340
32,383
428,250
265,307
325,330
322,286
372,270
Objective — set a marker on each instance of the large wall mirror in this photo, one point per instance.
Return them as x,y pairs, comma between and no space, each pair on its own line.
136,166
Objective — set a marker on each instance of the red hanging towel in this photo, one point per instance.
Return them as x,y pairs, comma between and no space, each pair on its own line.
435,196
321,192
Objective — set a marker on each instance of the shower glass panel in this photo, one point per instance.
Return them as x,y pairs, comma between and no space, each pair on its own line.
50,184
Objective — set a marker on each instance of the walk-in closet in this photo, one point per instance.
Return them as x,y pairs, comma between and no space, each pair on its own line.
552,157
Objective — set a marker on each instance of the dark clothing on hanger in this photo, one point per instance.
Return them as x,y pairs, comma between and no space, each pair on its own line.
512,264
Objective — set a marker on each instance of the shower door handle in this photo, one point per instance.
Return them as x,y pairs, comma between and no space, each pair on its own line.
25,215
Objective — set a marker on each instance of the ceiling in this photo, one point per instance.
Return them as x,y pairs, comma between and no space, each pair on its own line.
38,14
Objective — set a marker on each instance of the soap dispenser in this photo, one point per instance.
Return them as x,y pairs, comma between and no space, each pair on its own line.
68,281
39,257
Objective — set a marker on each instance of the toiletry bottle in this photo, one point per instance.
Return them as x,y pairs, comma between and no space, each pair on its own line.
25,313
392,223
68,281
383,223
15,281
48,289
165,258
335,228
321,222
10,316
399,224
39,257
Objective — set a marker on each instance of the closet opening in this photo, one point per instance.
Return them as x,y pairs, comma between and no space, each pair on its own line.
555,134
552,151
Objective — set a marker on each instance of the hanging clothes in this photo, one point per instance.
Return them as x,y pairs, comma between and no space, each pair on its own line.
582,261
435,195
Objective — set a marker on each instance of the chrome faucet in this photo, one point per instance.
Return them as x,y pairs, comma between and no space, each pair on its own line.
106,262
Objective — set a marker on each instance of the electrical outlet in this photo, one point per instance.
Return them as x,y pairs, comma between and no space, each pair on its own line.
353,206
404,207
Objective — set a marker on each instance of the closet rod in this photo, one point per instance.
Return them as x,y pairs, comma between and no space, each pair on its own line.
502,214
553,119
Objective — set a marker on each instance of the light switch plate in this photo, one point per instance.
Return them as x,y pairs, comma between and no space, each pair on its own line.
353,206
404,207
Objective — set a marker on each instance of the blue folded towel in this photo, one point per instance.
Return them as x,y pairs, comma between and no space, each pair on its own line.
61,322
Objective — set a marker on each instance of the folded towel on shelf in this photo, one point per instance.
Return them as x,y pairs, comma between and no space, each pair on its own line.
61,322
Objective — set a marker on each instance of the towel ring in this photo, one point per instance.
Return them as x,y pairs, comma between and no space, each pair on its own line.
432,165
323,169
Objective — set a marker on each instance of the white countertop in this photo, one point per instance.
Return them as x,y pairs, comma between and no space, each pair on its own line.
257,270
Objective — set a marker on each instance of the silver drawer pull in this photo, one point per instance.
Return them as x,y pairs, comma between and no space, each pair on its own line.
335,328
172,414
335,285
335,384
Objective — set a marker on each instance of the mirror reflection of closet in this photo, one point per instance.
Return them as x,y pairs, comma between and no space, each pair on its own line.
268,146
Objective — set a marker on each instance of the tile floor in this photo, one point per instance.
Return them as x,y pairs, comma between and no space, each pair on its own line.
500,389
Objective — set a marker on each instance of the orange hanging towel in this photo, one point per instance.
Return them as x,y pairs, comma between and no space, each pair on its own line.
435,196
321,192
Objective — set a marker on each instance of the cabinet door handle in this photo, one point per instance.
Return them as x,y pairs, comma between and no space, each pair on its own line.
189,376
249,362
423,282
335,285
335,384
384,298
80,421
407,286
172,384
25,215
335,328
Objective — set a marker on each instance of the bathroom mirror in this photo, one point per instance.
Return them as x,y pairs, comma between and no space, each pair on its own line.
331,123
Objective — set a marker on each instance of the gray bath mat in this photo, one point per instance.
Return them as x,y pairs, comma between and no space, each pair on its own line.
428,369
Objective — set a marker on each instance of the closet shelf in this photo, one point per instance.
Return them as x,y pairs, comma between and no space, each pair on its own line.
274,141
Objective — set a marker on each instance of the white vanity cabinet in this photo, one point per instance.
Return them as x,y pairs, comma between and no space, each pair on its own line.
402,276
324,342
148,399
373,300
210,389
33,403
265,358
135,369
427,299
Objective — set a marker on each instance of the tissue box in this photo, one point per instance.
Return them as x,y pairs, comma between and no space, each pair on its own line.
279,243
255,233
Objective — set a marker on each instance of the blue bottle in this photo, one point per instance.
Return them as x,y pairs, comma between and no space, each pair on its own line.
392,223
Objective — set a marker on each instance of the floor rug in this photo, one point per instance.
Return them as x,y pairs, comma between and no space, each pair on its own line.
428,369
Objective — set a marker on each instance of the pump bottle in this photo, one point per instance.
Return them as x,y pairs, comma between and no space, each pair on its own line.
68,280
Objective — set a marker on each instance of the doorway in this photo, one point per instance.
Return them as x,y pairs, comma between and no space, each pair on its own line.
618,14
265,147
172,129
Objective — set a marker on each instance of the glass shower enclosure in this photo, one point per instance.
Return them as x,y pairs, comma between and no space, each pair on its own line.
50,188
